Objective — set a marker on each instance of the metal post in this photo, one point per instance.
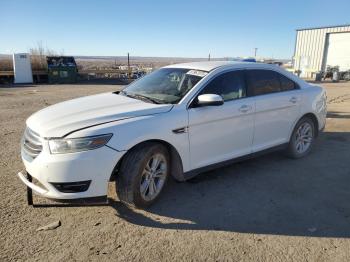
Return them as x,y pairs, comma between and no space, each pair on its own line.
255,51
209,57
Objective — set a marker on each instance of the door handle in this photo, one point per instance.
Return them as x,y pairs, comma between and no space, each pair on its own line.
245,108
293,100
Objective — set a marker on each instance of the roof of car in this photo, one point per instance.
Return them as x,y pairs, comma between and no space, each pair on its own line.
209,65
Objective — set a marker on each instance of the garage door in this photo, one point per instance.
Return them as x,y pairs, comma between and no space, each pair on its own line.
339,50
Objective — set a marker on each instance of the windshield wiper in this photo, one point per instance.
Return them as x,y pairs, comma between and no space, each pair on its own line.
142,97
146,98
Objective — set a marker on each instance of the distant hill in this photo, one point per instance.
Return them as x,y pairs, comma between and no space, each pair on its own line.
106,62
133,58
139,59
148,59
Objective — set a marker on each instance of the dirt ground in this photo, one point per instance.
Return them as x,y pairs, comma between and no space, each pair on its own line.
267,209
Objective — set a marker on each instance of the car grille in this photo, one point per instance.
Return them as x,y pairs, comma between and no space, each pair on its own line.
31,143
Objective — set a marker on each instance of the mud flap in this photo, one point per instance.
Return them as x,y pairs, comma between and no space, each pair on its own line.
29,191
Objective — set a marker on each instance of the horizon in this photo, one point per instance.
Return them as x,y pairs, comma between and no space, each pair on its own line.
161,29
150,57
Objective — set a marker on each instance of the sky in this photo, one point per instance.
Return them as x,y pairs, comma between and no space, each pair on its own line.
177,28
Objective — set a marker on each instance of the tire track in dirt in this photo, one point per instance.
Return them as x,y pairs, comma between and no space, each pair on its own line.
339,99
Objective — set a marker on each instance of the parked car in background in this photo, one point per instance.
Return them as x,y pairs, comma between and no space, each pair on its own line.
178,121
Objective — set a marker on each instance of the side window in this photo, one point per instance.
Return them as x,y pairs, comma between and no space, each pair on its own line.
262,82
230,85
287,84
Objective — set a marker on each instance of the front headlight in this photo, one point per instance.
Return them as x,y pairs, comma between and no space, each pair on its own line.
70,145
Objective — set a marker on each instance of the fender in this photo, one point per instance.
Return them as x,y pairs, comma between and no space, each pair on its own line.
130,132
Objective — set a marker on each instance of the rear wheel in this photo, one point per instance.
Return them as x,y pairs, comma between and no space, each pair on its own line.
302,138
143,175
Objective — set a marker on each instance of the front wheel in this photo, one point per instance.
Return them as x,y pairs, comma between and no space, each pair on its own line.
302,138
143,174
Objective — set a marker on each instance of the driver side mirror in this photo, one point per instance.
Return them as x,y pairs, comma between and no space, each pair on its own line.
209,100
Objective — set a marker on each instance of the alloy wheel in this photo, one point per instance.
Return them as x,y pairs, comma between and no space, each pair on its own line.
303,137
153,177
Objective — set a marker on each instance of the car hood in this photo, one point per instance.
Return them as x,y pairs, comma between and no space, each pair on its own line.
60,119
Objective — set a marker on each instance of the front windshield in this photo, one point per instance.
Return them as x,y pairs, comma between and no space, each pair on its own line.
164,86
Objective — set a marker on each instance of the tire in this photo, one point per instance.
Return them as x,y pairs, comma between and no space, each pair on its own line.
299,147
137,171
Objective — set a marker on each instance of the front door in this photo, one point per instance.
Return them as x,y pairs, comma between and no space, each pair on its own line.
219,133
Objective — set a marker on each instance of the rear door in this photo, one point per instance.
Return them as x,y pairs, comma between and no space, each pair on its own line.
219,133
277,105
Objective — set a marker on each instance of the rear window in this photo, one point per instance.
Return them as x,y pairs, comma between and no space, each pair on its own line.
263,82
287,84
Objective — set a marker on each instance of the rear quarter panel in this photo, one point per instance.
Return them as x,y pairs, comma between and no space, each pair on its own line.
315,101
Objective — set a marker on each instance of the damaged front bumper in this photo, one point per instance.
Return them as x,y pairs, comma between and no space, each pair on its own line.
69,177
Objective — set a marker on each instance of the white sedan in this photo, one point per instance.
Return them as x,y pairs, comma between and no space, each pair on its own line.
178,121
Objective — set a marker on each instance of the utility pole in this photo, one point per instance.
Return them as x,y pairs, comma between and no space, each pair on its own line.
209,57
129,74
255,51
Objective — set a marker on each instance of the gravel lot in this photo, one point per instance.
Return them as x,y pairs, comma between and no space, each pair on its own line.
268,209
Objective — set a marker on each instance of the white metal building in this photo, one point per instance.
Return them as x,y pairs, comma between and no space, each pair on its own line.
315,48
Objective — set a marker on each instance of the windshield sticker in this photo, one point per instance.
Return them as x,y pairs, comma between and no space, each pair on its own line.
197,73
